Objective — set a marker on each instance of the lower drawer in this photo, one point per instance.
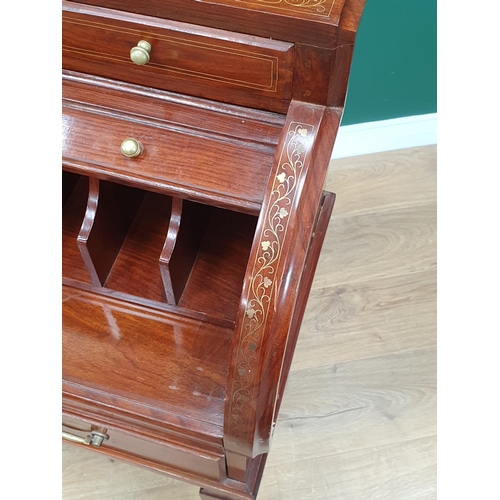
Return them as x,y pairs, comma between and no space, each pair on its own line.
145,451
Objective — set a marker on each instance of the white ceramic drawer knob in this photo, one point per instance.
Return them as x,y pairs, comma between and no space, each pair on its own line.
131,147
140,53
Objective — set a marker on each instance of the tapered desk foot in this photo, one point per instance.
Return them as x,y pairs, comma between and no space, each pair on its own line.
206,495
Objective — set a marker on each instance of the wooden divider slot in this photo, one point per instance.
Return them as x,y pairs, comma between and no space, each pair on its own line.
188,225
75,196
111,209
136,271
216,281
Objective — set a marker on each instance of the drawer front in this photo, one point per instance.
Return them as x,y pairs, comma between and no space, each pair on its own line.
203,62
144,450
170,162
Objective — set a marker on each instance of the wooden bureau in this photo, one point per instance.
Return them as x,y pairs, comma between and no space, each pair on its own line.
196,140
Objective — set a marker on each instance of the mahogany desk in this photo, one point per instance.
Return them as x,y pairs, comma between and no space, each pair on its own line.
196,140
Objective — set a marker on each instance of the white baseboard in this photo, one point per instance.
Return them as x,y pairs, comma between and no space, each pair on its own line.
385,135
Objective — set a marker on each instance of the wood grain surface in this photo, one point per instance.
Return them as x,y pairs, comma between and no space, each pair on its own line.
358,419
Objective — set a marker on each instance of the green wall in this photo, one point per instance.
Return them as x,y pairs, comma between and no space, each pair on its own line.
393,70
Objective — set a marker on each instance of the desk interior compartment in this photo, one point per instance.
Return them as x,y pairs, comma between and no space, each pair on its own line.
155,249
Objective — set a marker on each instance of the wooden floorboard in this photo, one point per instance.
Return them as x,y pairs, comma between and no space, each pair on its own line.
358,419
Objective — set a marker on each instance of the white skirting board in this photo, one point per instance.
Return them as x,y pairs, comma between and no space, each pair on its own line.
385,135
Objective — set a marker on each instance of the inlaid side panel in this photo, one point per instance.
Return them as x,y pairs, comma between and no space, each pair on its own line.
273,277
263,279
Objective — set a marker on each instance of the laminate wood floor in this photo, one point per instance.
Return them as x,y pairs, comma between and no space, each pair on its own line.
358,419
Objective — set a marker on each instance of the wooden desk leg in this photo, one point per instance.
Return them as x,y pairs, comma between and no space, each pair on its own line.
205,495
237,466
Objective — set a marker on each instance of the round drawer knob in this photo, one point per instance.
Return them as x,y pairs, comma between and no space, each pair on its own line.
140,53
131,147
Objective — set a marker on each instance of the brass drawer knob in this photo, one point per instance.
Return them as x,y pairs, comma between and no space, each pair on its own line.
131,147
140,53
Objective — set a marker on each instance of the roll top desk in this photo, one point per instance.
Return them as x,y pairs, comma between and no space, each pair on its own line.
196,140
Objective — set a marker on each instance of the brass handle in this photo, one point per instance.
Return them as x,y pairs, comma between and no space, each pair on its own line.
131,147
140,53
94,438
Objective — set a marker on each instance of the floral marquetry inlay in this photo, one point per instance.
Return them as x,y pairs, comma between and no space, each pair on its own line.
262,290
315,6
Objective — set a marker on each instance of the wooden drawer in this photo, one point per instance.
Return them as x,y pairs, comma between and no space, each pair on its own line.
203,62
145,450
211,155
92,147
